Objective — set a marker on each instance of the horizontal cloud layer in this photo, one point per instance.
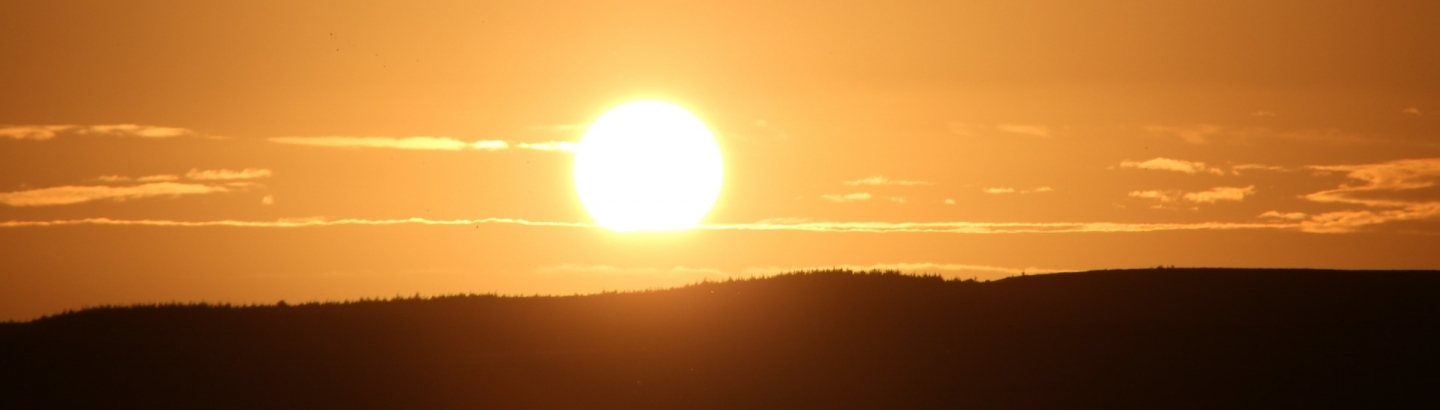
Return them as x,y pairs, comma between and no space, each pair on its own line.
65,195
1167,164
881,180
423,143
45,132
836,227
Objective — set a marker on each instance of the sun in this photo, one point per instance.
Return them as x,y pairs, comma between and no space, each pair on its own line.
648,166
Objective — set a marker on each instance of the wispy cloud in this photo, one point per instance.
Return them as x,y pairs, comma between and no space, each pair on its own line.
147,178
288,223
1289,216
423,143
1167,164
831,227
1210,196
995,227
407,143
881,180
1257,167
136,130
1004,190
1386,189
33,132
1218,194
1263,114
1412,111
855,197
45,132
227,175
65,195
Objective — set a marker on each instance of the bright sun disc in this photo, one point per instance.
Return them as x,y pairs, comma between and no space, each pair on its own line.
648,166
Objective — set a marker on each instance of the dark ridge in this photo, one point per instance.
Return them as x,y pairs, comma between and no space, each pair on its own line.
1151,338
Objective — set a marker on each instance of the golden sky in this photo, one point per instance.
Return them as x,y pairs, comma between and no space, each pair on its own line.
252,151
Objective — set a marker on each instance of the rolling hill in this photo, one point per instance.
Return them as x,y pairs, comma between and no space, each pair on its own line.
1148,338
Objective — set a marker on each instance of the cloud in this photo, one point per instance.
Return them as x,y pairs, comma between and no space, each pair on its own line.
288,223
1003,190
1289,216
135,130
855,197
268,200
1194,134
1263,114
1209,196
1167,164
996,227
66,195
565,146
147,178
1412,111
829,227
1257,167
423,143
33,132
408,143
1387,189
45,132
896,199
881,180
1025,129
1379,179
949,201
1218,194
227,175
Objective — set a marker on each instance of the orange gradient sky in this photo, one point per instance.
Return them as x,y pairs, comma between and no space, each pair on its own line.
253,151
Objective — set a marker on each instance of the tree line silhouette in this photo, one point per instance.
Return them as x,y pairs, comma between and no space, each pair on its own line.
1147,338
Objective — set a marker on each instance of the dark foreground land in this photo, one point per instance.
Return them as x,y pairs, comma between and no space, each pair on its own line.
1165,338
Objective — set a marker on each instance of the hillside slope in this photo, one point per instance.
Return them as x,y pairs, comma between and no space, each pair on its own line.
1166,338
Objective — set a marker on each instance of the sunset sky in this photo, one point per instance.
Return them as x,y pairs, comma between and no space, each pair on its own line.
254,151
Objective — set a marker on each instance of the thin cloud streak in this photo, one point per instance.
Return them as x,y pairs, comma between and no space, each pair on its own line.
286,223
881,180
227,175
423,143
1393,179
855,197
408,143
1167,164
46,132
70,194
837,227
994,227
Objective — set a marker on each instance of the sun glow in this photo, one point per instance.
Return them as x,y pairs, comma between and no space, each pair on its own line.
648,166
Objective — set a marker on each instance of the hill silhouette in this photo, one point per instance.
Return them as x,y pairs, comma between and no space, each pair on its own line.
1149,338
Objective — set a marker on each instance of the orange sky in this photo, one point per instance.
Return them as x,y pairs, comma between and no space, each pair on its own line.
253,151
